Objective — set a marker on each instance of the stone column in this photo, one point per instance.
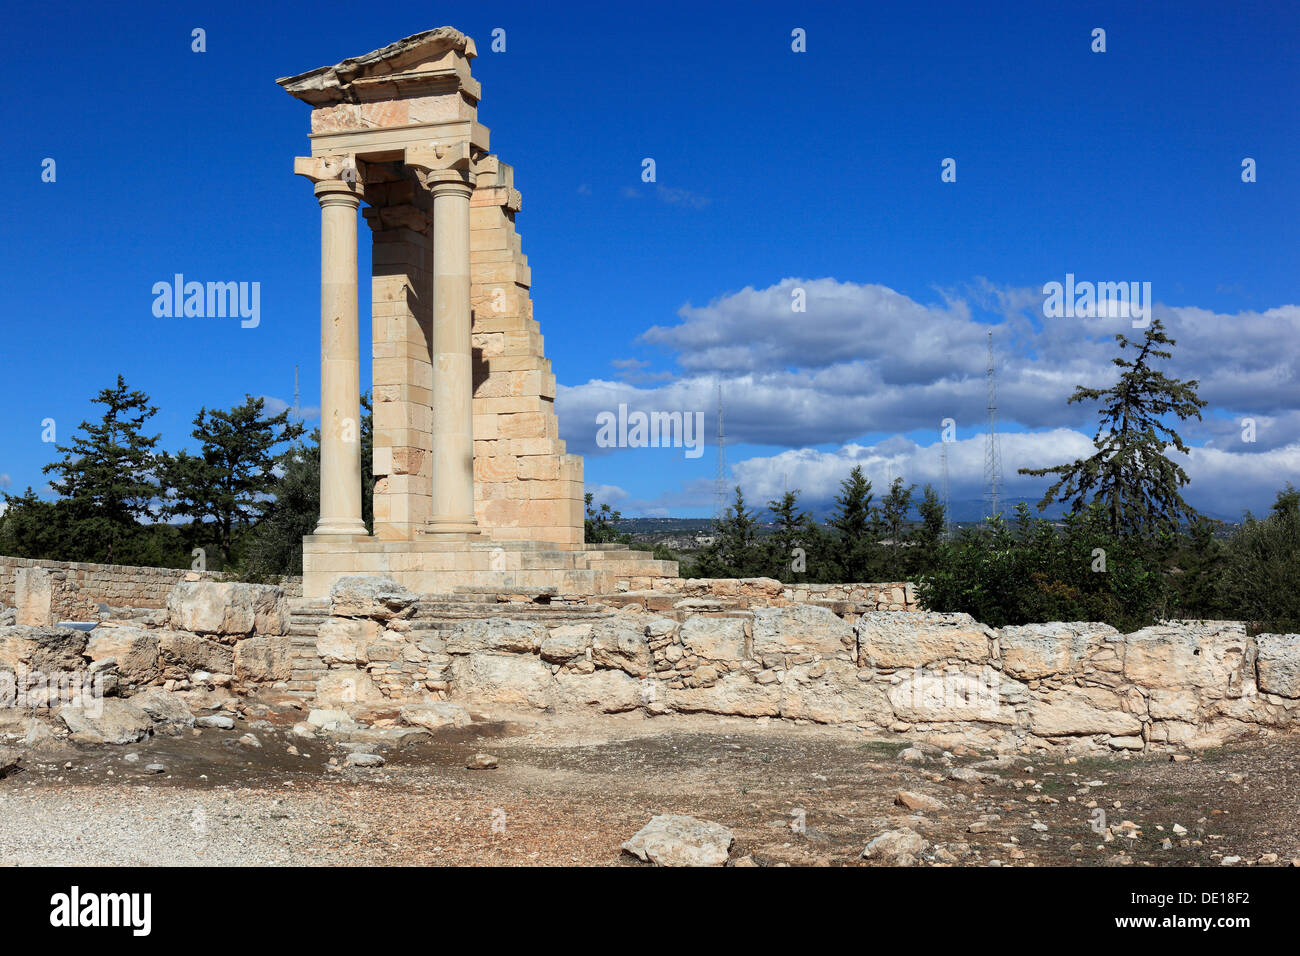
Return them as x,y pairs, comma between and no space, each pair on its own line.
453,381
340,369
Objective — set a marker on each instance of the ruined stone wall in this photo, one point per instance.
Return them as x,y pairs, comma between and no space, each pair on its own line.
77,589
526,486
677,596
206,634
943,678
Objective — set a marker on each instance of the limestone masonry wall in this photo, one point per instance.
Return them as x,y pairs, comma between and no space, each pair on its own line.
944,678
77,589
207,634
688,595
738,648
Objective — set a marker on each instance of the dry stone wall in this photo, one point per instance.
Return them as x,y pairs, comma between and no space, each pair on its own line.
944,678
78,589
210,634
675,596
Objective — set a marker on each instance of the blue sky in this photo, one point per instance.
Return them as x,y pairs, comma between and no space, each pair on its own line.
776,170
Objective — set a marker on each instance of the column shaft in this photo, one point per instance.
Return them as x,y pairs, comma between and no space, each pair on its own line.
453,381
340,369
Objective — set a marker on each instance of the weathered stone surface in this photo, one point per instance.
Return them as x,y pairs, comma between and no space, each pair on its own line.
110,721
1278,664
363,760
347,687
800,629
435,715
609,690
1164,704
1214,657
40,736
735,694
509,679
1081,711
263,659
977,695
834,695
901,847
677,840
50,650
183,653
134,648
564,643
1033,651
164,707
212,607
329,719
33,597
920,802
620,642
714,638
496,634
914,639
343,640
270,610
374,597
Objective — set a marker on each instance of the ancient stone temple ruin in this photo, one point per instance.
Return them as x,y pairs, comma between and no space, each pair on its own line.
473,487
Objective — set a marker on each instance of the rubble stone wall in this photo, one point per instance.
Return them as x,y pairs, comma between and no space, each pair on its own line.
944,678
673,596
213,633
77,589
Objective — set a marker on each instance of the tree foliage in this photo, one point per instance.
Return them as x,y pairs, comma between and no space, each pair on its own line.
1130,474
228,483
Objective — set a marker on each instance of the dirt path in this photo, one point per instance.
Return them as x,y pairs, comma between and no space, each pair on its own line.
571,792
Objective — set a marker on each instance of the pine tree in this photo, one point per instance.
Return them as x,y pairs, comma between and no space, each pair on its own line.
738,532
1130,475
792,531
601,524
110,466
227,484
107,473
930,536
894,508
855,524
275,545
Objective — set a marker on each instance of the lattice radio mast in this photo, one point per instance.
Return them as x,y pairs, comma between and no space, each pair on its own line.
992,447
297,406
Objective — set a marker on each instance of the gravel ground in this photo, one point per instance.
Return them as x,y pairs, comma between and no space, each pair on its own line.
571,791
